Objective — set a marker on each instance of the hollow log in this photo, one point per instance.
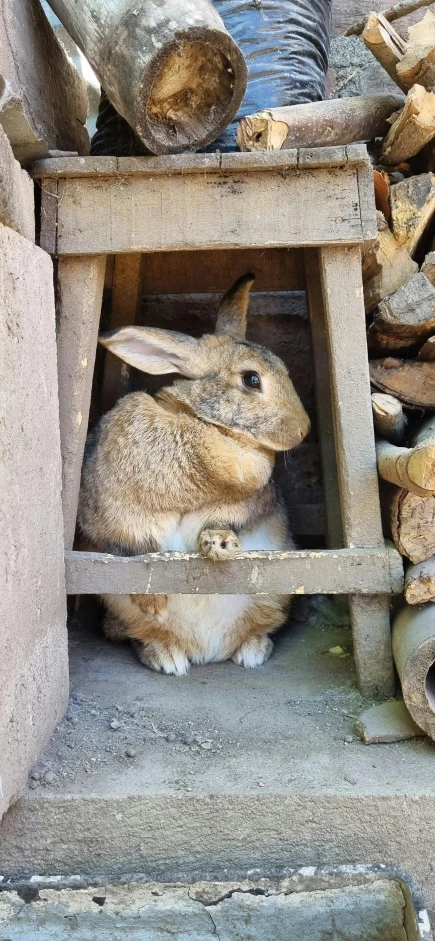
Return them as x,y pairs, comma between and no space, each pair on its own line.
414,655
169,68
418,64
420,582
412,469
388,417
412,381
412,204
318,124
386,266
406,317
413,128
411,521
385,44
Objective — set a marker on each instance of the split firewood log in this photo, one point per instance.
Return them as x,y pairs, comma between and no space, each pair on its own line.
396,12
412,205
318,124
405,318
413,128
412,381
388,417
386,266
385,44
418,63
420,582
428,267
427,351
412,469
411,521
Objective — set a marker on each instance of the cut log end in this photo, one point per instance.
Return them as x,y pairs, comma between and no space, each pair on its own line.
389,419
190,92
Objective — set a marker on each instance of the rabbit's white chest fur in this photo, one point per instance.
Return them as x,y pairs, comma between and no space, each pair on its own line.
209,619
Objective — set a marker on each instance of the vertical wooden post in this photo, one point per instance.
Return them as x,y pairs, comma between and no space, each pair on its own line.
80,292
126,295
339,270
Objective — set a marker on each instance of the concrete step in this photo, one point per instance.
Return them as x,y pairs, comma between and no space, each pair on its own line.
223,772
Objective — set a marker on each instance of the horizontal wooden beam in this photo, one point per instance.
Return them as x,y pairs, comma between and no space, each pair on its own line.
341,571
197,203
352,155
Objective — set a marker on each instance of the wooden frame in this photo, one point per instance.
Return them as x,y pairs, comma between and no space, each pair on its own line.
318,200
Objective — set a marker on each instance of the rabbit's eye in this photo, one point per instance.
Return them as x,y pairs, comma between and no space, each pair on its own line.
251,380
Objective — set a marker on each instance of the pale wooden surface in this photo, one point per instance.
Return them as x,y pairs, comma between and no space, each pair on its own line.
324,409
340,272
388,417
314,572
126,297
420,582
80,292
196,202
410,468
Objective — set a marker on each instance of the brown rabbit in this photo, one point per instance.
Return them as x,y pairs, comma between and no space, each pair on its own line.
190,470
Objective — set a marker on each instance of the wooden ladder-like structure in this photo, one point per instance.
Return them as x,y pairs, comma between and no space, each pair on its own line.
318,204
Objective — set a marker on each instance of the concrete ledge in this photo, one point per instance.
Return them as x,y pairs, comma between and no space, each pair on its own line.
17,205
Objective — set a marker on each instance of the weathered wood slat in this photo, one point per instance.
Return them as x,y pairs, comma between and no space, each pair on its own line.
208,272
126,296
80,292
368,571
353,155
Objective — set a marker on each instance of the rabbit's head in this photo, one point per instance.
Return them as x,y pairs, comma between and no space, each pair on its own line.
236,385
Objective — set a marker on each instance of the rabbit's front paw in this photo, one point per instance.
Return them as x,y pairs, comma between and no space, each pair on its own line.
218,545
161,657
253,652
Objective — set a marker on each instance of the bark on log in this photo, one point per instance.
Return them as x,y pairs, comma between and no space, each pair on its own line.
406,317
414,655
413,128
420,582
418,63
412,524
412,469
318,124
388,417
428,267
169,68
412,205
385,44
403,8
427,351
412,381
386,266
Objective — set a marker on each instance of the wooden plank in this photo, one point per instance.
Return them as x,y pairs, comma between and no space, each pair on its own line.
325,418
126,296
205,211
320,572
275,269
80,292
100,167
340,270
49,207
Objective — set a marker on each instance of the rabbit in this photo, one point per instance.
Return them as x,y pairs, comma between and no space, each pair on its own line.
191,470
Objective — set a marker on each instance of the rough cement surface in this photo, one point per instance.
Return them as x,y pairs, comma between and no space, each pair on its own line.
221,772
361,913
33,662
43,100
387,722
17,204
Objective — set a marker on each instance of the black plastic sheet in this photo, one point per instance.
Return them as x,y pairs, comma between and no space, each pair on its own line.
286,46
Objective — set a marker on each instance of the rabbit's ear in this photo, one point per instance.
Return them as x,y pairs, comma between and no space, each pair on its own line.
157,351
233,309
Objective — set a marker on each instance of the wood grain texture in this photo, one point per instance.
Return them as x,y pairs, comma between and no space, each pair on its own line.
412,523
412,469
324,408
388,416
413,382
275,269
420,582
126,297
200,212
80,291
320,572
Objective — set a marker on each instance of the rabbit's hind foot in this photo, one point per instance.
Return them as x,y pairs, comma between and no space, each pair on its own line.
162,657
218,545
253,652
